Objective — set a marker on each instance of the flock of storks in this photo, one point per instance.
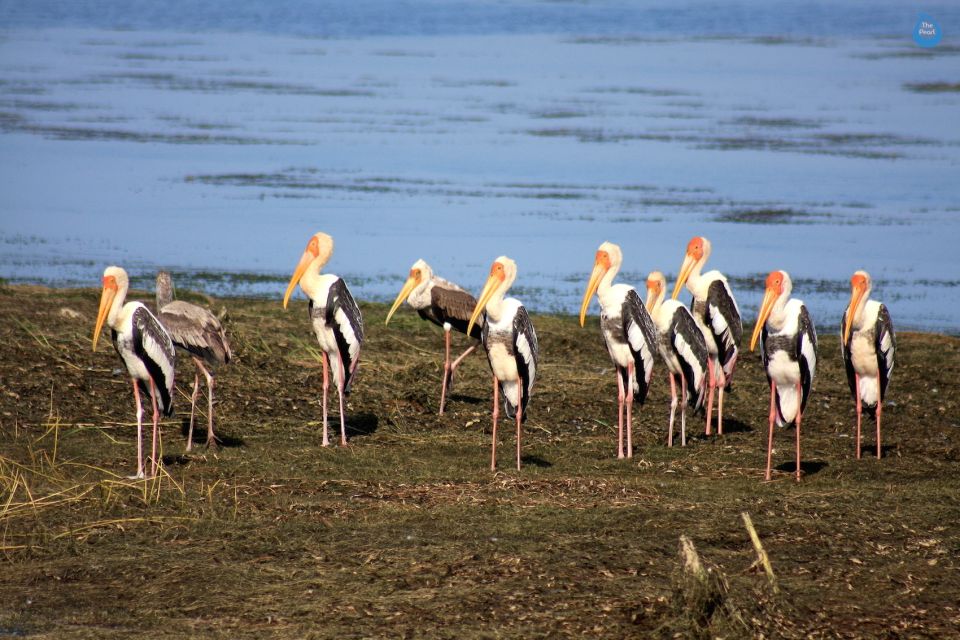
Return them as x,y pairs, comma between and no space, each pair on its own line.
699,345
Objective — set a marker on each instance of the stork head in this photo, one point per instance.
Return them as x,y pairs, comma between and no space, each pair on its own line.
860,286
165,289
318,250
608,257
778,287
503,272
115,283
698,250
420,273
656,290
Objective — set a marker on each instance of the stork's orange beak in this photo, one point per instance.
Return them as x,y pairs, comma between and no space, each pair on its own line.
769,298
412,281
855,297
495,280
106,301
688,263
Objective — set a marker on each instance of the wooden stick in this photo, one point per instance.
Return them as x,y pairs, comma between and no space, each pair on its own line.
761,553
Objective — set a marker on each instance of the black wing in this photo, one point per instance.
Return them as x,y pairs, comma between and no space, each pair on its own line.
343,316
455,307
641,336
806,354
723,320
886,346
153,346
196,330
847,354
691,349
526,351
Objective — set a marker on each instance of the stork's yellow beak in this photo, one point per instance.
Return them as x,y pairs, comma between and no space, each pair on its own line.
106,301
596,275
855,297
769,298
305,261
408,286
488,290
688,262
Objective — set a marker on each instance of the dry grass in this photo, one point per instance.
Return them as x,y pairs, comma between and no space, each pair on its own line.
406,532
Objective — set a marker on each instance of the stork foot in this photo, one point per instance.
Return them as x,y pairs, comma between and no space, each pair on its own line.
213,443
136,476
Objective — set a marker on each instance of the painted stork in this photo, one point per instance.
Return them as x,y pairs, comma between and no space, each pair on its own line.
199,333
683,350
788,349
716,313
868,345
146,351
511,345
446,305
336,320
628,332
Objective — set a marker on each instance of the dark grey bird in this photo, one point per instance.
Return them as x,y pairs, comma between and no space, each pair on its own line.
146,351
446,305
198,332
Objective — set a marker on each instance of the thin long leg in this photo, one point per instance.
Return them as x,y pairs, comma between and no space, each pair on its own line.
683,410
446,366
193,407
620,400
856,378
773,408
519,413
155,463
879,411
326,387
629,397
496,414
721,383
799,417
343,413
136,396
673,407
711,370
456,363
211,437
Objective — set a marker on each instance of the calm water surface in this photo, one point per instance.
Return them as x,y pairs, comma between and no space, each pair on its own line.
213,138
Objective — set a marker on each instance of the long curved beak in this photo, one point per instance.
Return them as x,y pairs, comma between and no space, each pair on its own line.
106,301
305,261
404,292
685,269
488,290
769,298
651,300
595,276
855,299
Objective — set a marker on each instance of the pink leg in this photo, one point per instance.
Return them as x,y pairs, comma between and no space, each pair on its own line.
496,414
343,414
620,401
193,407
683,410
155,464
326,387
629,397
711,365
136,396
799,417
721,383
211,438
446,368
448,377
673,407
773,410
456,363
879,411
856,378
519,418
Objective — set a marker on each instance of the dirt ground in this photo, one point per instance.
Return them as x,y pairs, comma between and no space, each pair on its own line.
407,533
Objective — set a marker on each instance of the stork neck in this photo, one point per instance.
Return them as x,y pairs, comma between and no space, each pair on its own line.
607,280
657,299
310,280
778,314
113,317
858,312
164,293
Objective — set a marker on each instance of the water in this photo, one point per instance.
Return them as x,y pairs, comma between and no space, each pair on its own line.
214,138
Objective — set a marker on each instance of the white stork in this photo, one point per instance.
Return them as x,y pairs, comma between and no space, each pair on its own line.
336,320
628,332
446,305
717,315
788,349
199,333
511,345
682,348
146,351
868,345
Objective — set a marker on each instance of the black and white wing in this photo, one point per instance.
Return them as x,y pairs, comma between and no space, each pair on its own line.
688,343
806,354
886,346
342,315
196,330
641,334
526,351
847,354
454,306
722,318
153,346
